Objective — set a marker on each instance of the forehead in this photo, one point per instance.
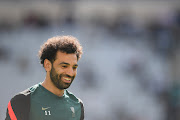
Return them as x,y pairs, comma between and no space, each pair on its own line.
64,57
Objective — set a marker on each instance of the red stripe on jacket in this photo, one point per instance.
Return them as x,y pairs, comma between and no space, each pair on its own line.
11,112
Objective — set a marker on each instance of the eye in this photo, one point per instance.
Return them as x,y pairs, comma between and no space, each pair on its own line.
75,67
64,66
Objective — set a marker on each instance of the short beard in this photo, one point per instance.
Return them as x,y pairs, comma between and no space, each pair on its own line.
56,79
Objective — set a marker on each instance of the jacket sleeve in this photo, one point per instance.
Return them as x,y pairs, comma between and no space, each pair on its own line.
18,107
82,110
7,115
10,114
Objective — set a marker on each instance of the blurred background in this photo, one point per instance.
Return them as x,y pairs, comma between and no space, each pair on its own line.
130,68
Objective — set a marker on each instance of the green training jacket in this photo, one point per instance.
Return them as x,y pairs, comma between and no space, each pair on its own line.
37,103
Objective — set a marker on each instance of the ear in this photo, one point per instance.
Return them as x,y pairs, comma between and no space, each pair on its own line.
47,65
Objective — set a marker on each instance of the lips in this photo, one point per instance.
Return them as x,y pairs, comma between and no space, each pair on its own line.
66,79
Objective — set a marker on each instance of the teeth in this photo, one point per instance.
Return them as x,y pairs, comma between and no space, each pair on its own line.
67,79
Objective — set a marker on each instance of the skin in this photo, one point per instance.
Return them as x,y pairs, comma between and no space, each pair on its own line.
64,67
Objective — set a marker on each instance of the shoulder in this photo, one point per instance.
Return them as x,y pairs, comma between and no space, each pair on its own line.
21,96
73,97
19,105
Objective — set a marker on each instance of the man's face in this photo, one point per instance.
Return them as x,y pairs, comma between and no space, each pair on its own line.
64,70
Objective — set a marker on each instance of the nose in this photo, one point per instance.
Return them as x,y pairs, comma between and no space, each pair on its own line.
70,72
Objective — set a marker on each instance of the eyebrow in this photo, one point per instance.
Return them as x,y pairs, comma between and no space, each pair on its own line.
67,64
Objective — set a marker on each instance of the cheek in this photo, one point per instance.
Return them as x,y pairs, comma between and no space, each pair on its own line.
59,70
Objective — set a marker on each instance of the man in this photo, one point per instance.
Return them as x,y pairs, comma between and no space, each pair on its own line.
50,100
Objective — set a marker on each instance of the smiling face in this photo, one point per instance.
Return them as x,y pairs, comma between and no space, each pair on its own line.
63,70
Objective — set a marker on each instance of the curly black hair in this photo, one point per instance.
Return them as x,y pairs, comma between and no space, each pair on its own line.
65,44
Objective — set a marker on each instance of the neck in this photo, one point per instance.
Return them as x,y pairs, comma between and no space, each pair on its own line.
47,83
